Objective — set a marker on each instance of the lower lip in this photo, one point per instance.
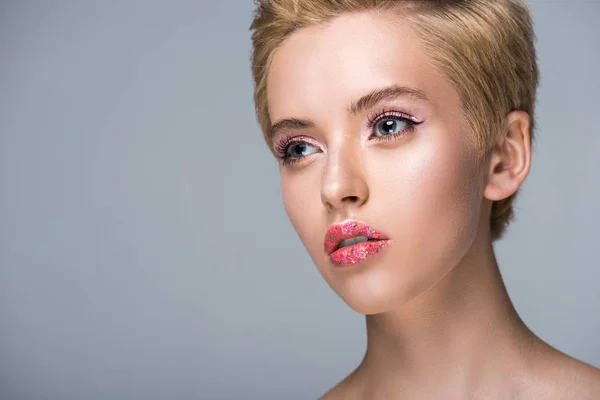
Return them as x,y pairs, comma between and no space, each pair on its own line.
357,253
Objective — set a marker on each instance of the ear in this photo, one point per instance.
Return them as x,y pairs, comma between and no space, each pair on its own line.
510,160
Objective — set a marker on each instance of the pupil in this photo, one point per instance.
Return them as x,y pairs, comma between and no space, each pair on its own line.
388,126
298,149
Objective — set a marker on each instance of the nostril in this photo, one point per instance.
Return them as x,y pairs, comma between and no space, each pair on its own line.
352,199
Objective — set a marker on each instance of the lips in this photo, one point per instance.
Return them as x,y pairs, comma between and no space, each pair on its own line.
352,242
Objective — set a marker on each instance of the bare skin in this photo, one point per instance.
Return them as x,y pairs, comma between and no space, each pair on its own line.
476,349
440,323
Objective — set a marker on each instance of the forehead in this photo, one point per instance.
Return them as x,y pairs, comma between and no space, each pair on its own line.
323,68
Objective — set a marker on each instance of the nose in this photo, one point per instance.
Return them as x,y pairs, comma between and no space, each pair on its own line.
344,184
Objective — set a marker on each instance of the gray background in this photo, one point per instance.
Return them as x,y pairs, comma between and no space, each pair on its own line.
144,249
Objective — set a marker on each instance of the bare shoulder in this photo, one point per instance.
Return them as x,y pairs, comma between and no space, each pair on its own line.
551,375
347,389
335,393
564,377
582,381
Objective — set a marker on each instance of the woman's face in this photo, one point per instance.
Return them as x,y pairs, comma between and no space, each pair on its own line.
398,160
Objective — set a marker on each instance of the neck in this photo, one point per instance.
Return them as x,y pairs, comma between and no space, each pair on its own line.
463,333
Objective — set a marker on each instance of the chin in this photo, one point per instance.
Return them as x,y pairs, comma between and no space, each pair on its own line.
372,291
369,306
368,303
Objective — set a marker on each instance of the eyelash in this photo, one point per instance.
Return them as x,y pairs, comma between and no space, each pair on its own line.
282,147
384,114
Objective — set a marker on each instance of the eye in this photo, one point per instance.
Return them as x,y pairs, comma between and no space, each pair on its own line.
300,149
296,148
389,126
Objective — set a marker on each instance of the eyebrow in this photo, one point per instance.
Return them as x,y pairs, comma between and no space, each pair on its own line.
290,123
365,102
386,93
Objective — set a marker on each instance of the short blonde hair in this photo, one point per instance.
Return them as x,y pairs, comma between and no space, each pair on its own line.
483,47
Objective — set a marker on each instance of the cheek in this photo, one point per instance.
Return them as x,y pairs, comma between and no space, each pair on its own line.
433,199
302,202
429,198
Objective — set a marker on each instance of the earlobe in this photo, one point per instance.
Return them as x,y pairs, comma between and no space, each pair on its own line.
510,160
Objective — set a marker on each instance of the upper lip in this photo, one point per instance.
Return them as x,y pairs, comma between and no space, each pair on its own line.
348,230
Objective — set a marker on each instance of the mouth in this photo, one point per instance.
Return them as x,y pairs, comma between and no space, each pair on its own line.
352,242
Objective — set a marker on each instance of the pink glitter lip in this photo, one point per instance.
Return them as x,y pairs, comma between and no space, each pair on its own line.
354,254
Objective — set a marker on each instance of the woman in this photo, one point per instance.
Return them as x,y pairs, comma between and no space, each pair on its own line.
404,131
